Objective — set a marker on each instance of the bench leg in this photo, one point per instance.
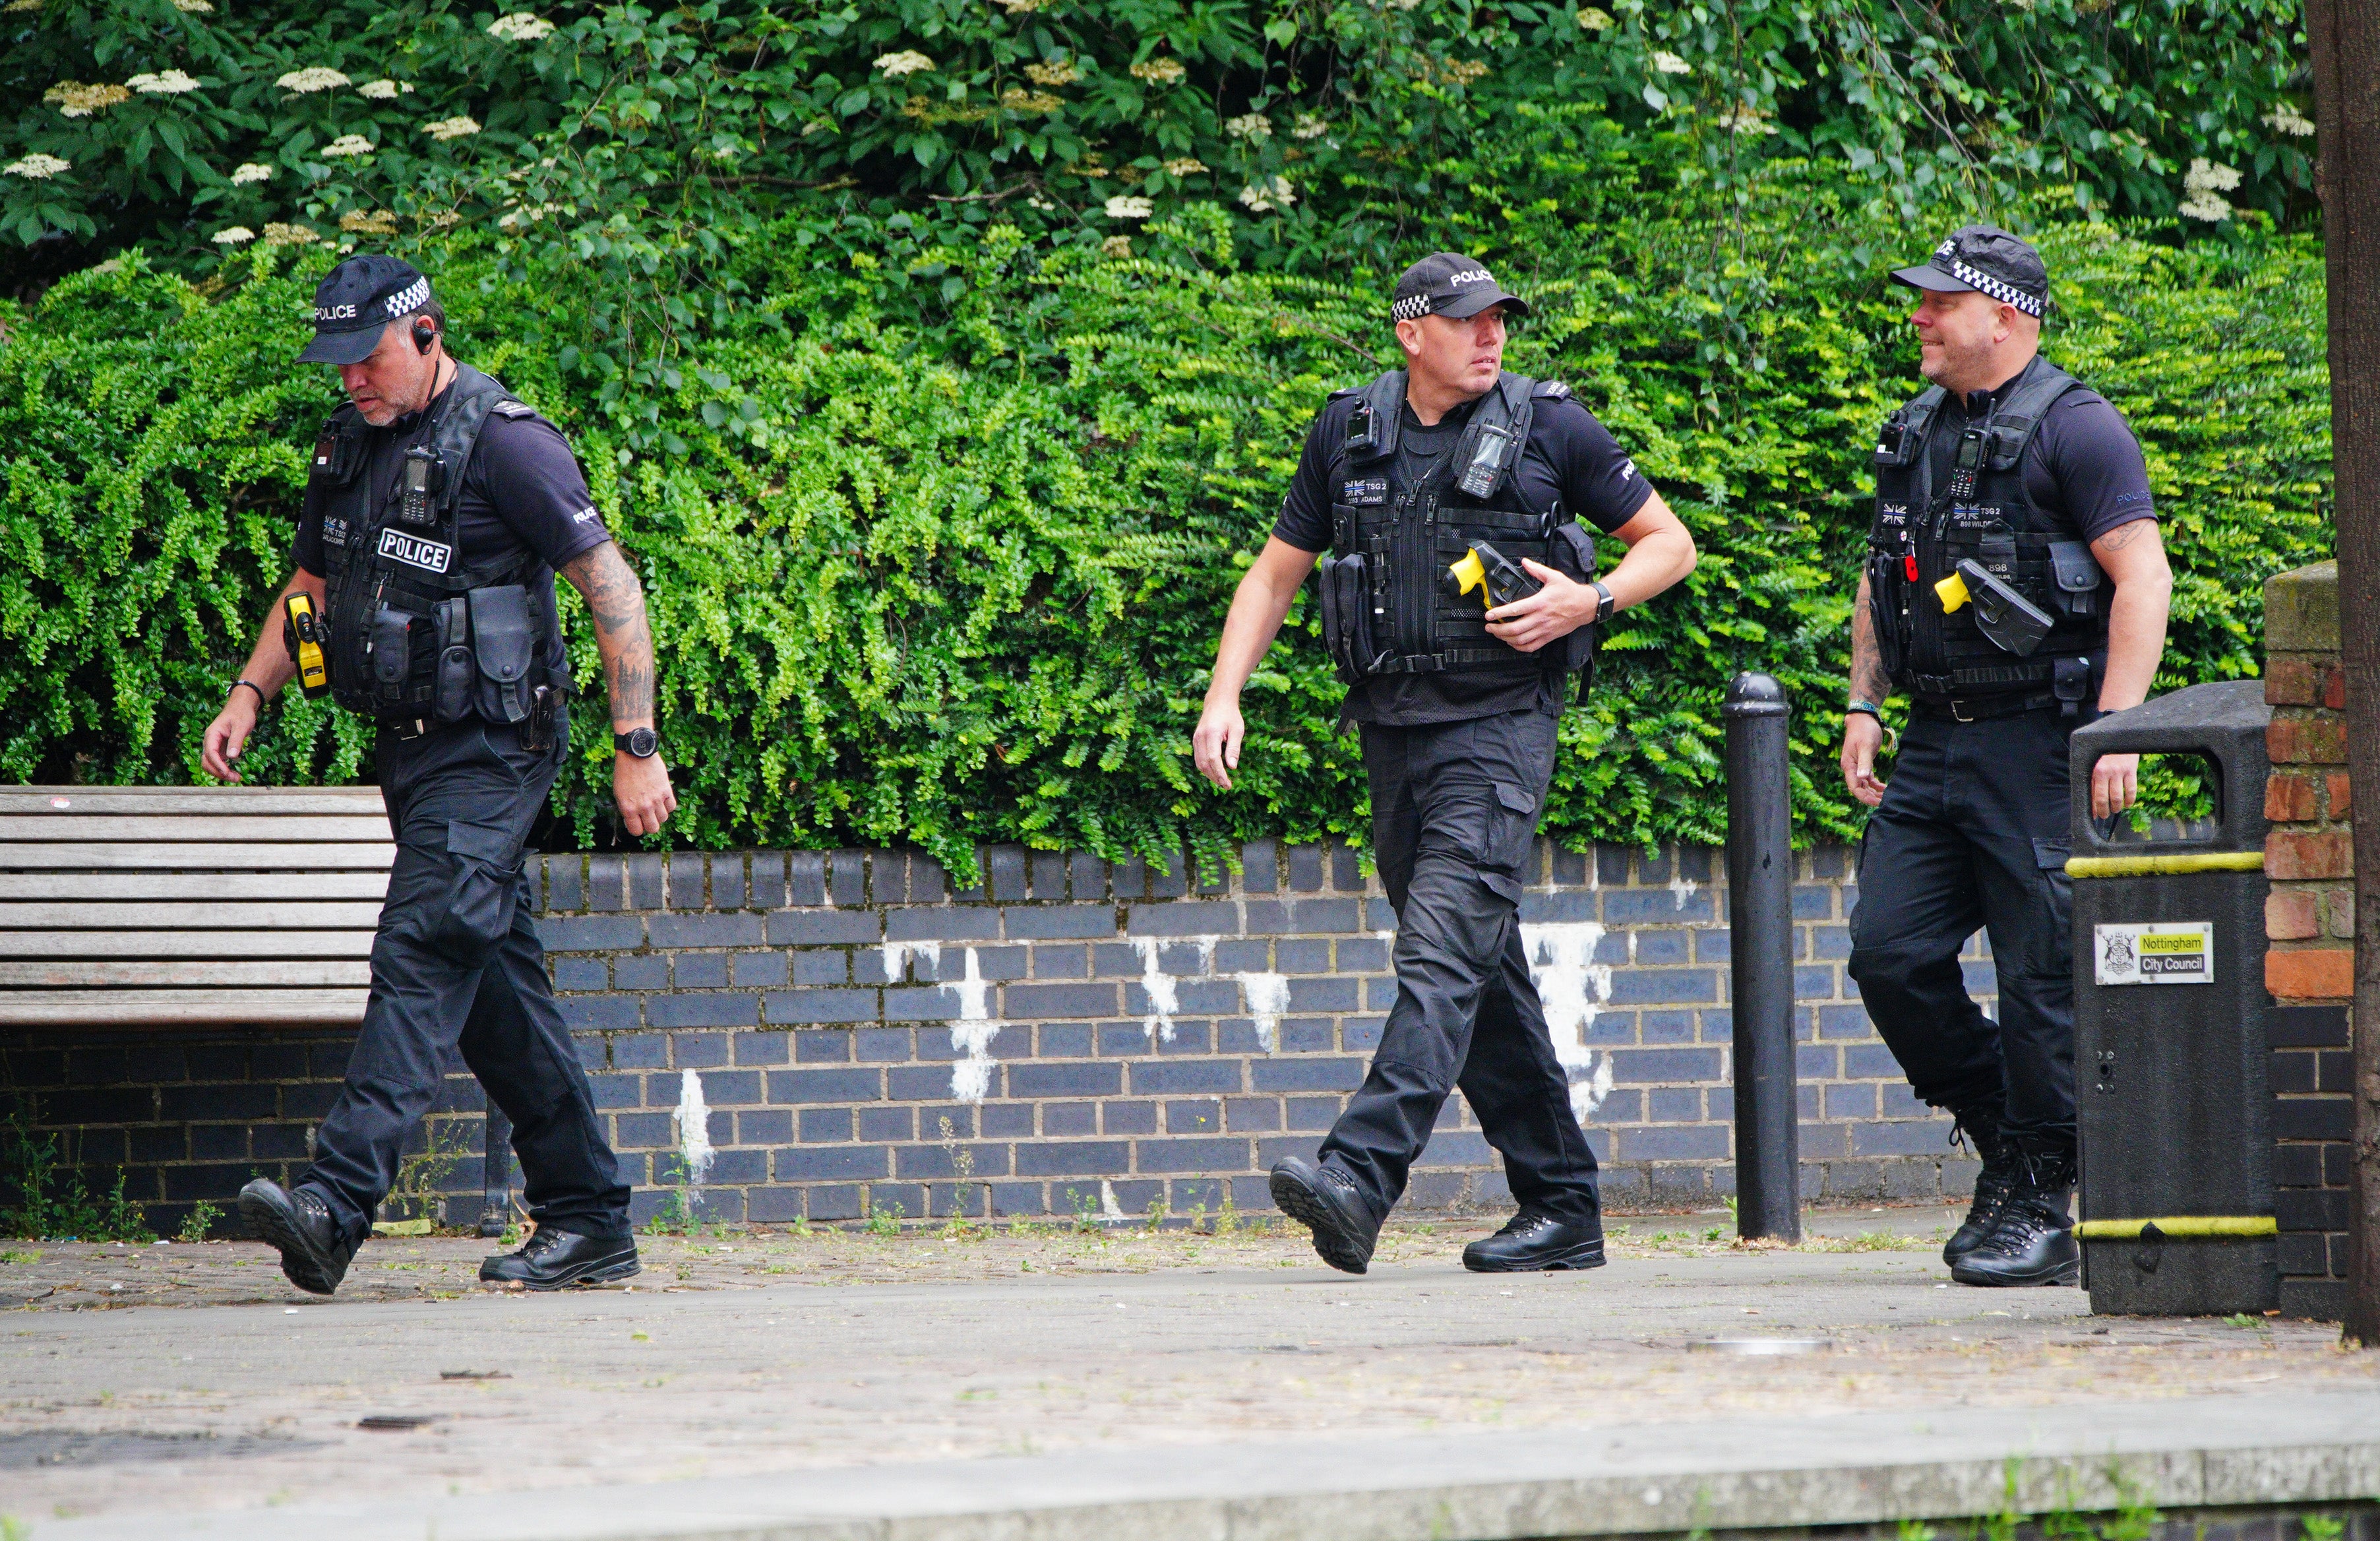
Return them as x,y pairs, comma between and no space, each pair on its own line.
497,1214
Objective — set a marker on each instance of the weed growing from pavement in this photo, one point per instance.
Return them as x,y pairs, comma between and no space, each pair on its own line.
198,1223
421,1177
51,1208
885,1221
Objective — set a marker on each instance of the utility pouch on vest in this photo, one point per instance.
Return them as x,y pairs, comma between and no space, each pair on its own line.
459,671
2069,682
547,710
1345,588
391,649
2008,619
1573,556
503,639
2078,576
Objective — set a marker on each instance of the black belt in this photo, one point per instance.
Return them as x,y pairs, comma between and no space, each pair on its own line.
1985,708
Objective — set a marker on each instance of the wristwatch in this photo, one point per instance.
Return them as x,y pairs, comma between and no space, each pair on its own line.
1604,604
1870,708
642,743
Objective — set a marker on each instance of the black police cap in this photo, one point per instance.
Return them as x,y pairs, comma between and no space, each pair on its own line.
1989,261
354,304
1449,284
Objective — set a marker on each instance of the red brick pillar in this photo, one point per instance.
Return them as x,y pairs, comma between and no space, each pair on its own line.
2310,922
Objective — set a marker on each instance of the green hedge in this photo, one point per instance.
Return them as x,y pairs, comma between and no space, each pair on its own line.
960,584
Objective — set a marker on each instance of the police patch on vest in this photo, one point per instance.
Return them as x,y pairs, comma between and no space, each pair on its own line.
413,551
335,530
1366,494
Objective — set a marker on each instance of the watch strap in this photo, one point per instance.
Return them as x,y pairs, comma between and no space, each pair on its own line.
1604,603
1870,708
261,702
625,743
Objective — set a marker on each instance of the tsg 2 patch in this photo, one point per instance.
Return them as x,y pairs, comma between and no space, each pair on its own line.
335,530
1369,494
414,552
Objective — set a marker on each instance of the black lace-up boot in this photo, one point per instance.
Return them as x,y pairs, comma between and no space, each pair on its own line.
1534,1241
314,1249
1980,1126
557,1259
2033,1241
1324,1200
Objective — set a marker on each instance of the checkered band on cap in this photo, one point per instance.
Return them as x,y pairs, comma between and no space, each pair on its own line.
1413,307
2006,293
409,298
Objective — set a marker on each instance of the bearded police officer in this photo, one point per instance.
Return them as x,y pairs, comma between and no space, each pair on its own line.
2015,588
438,509
1457,682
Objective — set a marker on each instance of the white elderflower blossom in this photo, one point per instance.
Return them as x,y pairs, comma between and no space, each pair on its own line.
1254,126
1186,166
289,235
1159,72
1592,20
234,235
1123,207
301,82
520,26
165,82
1060,74
1019,7
384,91
2205,183
1116,245
1309,126
36,167
908,61
1265,195
1743,120
379,222
73,99
345,146
451,127
14,5
2287,119
1669,63
195,8
251,171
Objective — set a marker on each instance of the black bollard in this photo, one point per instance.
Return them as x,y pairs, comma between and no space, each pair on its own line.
496,1205
1760,948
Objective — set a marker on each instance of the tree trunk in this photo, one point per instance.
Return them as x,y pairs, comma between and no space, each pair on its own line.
2346,39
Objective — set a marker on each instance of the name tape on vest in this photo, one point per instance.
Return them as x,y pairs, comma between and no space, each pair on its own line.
413,551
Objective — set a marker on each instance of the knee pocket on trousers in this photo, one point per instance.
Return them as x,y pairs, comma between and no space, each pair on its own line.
477,910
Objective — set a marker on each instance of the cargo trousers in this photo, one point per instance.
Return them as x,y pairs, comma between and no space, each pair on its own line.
1454,816
456,965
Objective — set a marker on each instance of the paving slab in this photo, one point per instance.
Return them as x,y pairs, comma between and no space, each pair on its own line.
941,1386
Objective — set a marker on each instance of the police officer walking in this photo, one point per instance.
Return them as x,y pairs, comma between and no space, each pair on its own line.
438,509
2015,588
1462,599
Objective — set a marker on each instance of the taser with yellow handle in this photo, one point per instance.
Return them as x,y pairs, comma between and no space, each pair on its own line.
305,640
1499,580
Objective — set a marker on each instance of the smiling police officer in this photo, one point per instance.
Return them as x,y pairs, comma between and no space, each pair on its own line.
1434,482
438,510
2015,588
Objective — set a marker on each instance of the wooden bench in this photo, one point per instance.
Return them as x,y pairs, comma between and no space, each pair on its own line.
196,906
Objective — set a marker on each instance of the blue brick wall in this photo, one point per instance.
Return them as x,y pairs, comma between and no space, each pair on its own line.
1134,1042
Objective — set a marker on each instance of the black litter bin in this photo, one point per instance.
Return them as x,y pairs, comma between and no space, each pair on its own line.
2171,1097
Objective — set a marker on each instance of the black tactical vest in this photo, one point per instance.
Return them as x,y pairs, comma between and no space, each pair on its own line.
415,635
1388,605
1923,532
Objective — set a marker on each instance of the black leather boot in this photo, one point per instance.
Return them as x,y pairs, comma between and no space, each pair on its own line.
1324,1200
557,1259
315,1251
1537,1243
2033,1243
1994,1185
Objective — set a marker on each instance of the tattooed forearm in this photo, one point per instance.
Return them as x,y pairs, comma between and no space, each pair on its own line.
2125,534
616,602
1869,682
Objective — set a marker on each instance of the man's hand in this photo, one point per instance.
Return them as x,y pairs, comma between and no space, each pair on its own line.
642,787
1547,616
1215,747
1862,736
227,735
2115,784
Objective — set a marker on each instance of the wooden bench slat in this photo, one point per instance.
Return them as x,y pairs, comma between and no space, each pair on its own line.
196,828
290,916
243,946
199,886
181,1008
258,857
247,801
67,974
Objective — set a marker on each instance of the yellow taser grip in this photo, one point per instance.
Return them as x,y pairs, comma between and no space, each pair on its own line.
1469,573
1952,592
313,675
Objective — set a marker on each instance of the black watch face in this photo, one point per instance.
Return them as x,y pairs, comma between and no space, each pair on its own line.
641,742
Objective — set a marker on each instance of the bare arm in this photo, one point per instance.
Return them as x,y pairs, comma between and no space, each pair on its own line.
1660,554
616,602
2133,555
1863,735
1263,599
267,670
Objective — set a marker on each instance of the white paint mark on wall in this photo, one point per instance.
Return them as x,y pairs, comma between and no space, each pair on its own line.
1268,995
897,953
1572,986
1681,889
1164,999
693,1130
972,1034
1109,1208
